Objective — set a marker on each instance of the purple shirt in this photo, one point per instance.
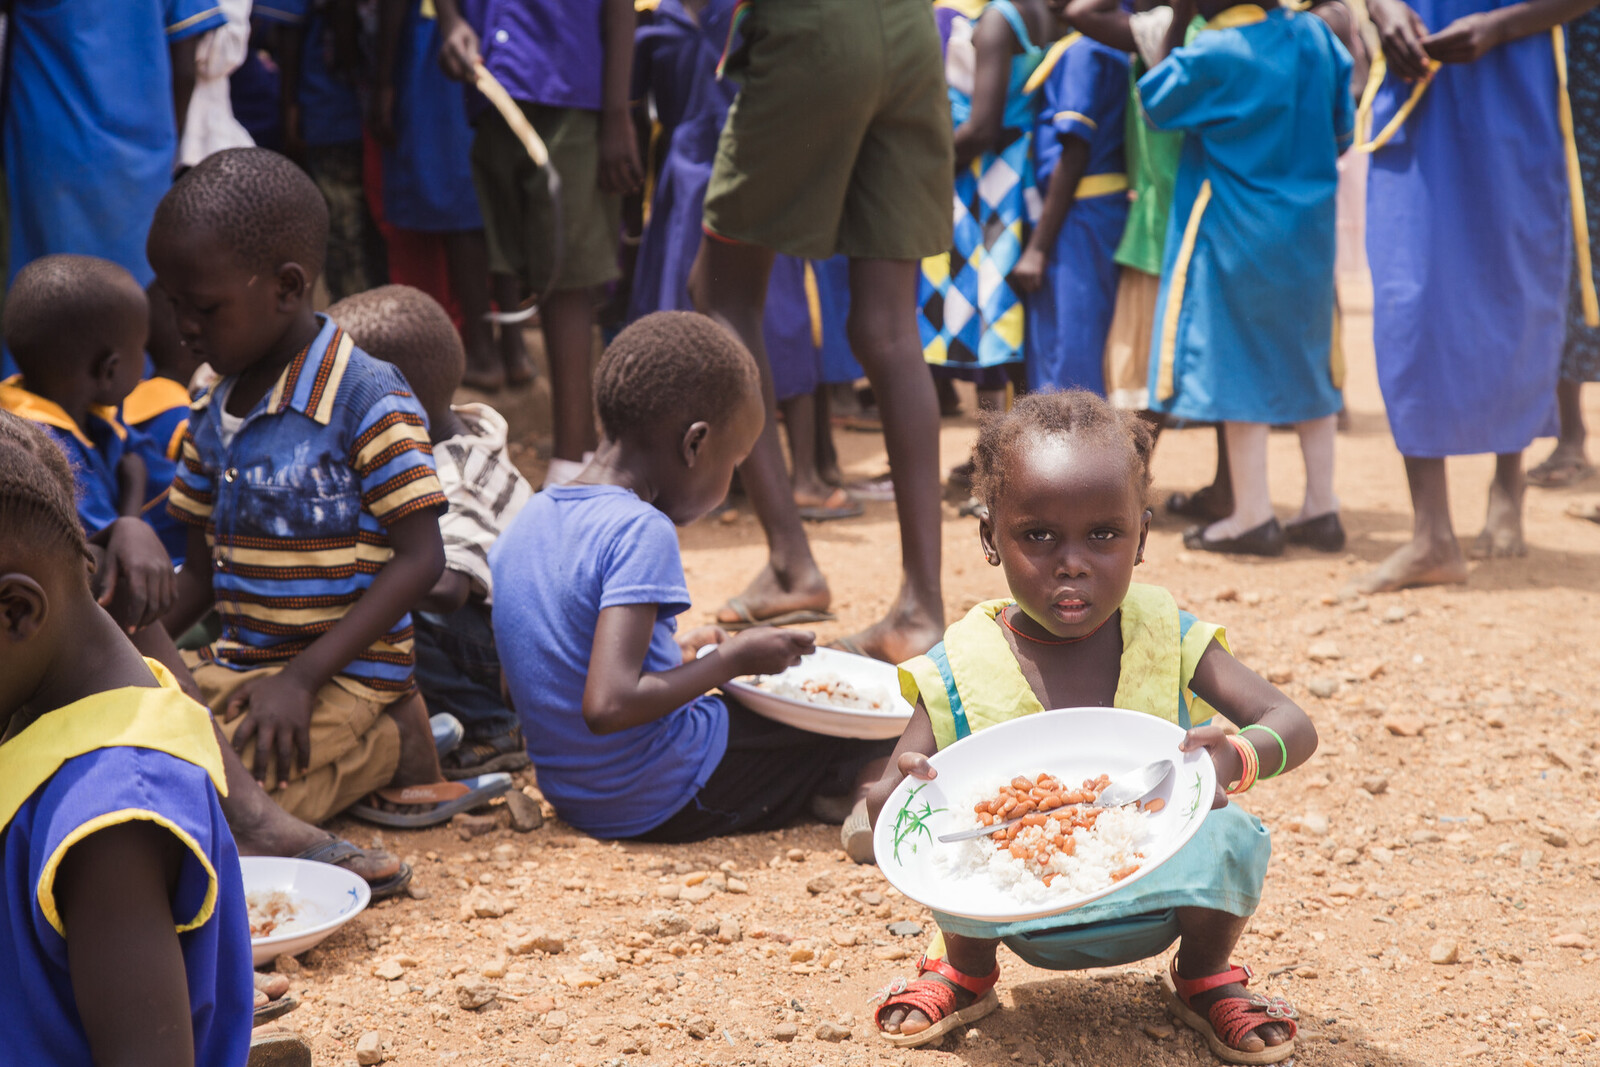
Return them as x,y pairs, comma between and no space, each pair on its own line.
546,52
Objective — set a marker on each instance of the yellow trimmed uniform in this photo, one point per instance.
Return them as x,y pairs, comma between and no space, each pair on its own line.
971,681
126,755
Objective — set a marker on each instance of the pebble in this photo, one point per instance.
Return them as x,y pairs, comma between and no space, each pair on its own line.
1323,688
286,965
869,898
668,892
1444,953
273,985
795,855
801,954
1554,836
735,885
556,1019
1324,651
905,928
845,938
785,1032
470,826
1311,824
539,1005
833,1032
632,1022
1157,1031
389,970
1376,784
1396,613
695,894
1404,725
699,1027
1280,675
1572,940
1346,856
369,1048
819,885
535,942
728,932
668,924
475,996
1425,837
526,815
1529,860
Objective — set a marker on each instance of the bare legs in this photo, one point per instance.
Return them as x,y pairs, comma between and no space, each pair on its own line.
567,317
729,283
1567,464
1502,527
467,254
1432,557
1247,474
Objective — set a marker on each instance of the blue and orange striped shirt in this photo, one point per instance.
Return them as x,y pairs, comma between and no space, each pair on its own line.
296,504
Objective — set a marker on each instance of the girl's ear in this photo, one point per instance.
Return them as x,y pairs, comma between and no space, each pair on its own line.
23,608
1144,532
694,439
986,538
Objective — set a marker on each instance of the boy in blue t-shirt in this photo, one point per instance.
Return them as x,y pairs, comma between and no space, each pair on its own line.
76,326
588,585
113,845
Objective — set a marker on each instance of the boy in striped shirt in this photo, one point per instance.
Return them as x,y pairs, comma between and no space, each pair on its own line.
308,483
458,667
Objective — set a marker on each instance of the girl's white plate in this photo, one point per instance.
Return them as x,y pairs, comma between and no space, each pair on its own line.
324,898
1072,744
867,675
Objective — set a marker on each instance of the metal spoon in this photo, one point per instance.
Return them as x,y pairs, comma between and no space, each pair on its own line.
1135,785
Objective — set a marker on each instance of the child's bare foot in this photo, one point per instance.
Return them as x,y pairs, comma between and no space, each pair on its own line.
514,356
1419,562
894,639
771,595
1502,527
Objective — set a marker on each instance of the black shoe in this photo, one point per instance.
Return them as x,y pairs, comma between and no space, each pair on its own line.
1325,533
1206,505
472,758
1265,540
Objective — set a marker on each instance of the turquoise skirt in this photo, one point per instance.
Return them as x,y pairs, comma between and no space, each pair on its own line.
1221,868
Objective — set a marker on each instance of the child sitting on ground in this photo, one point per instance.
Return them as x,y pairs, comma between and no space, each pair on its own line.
76,326
311,497
458,669
1064,478
589,583
158,409
115,848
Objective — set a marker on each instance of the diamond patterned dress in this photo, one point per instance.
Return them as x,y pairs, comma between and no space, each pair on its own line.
969,316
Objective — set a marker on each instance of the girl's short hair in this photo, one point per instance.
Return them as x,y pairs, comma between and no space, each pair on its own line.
1071,413
36,493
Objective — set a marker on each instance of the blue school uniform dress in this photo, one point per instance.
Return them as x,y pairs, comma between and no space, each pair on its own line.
427,174
1244,322
971,681
126,755
675,63
1084,95
156,414
1470,244
968,316
90,134
92,452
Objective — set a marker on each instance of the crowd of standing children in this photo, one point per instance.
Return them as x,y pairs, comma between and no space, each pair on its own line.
216,498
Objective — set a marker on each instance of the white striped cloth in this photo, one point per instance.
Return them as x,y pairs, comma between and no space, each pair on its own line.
485,491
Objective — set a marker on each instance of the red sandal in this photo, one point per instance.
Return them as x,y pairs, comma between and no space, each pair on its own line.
1229,1020
936,1000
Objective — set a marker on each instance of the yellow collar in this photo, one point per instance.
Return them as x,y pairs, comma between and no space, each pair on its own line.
152,397
19,401
159,717
1048,63
1236,16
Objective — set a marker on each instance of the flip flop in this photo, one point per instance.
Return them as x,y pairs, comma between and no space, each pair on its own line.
789,618
335,851
448,799
275,1009
1553,475
447,732
839,505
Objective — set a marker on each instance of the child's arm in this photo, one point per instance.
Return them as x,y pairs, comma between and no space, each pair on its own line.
137,586
183,56
450,593
992,41
114,891
1246,698
279,706
620,694
1469,37
1103,21
194,592
909,759
619,148
1028,275
458,47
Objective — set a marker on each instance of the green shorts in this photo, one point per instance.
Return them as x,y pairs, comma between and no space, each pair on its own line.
518,218
840,139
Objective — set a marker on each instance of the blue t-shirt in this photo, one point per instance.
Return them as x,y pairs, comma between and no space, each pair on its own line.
571,553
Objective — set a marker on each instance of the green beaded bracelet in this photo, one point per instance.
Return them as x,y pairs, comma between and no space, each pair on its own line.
1283,748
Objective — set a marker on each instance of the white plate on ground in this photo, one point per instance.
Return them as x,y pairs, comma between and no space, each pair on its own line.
1071,744
324,898
867,675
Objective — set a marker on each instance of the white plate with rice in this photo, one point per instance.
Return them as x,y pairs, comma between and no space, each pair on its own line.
978,880
295,904
830,692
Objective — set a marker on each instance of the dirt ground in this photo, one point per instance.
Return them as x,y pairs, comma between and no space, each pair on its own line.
1434,894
